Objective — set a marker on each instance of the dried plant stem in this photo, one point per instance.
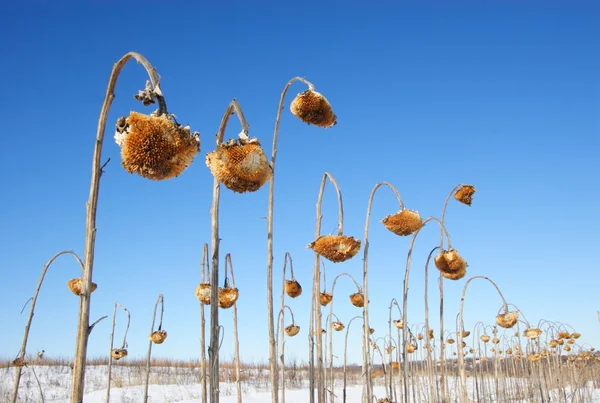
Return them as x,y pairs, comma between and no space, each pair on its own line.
405,365
83,330
112,338
366,371
271,323
23,349
459,330
204,273
213,350
429,350
317,280
346,356
281,324
160,300
236,343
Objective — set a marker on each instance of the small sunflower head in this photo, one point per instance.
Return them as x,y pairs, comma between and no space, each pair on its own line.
158,337
325,298
203,293
357,299
292,330
485,338
507,319
338,326
399,323
76,286
313,108
155,147
241,165
454,275
450,261
118,353
465,194
293,288
336,248
532,333
227,297
403,223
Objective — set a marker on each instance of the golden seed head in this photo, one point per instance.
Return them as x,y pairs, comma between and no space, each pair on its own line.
534,357
532,333
571,341
292,330
227,297
336,248
158,337
563,335
450,261
240,165
465,194
576,335
485,338
420,336
118,353
560,342
155,147
357,299
76,286
403,223
203,293
313,108
567,348
325,298
389,349
293,288
507,320
338,326
553,343
411,348
454,275
465,333
399,323
450,341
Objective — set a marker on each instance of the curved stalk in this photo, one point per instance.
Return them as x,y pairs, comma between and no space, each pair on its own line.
112,338
459,330
317,280
236,343
204,273
271,324
429,359
405,301
21,355
286,258
346,355
83,327
160,300
391,385
213,350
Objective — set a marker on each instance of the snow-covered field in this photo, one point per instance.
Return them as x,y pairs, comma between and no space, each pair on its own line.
172,384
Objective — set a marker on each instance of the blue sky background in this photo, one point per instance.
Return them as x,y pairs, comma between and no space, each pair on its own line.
503,95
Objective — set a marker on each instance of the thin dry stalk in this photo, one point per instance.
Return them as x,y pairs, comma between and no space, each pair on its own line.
204,273
281,322
21,355
213,350
112,338
160,300
271,323
236,343
317,281
83,327
344,394
366,345
429,350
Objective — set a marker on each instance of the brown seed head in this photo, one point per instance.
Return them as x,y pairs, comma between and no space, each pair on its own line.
465,194
158,337
292,330
450,261
313,108
450,341
227,297
336,248
454,275
485,338
507,320
338,326
404,222
357,299
399,323
293,288
76,286
576,335
465,333
240,165
118,353
203,293
532,333
411,348
325,298
155,147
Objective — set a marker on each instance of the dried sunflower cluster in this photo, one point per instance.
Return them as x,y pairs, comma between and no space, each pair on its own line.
155,147
403,223
313,108
239,164
451,265
336,248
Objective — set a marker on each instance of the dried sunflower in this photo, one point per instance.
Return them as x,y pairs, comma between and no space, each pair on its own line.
293,288
336,248
403,223
76,286
313,108
465,194
158,337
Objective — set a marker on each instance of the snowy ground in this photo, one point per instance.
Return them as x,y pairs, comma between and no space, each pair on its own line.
171,384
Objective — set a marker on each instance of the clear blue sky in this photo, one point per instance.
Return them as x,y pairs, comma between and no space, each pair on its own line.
503,95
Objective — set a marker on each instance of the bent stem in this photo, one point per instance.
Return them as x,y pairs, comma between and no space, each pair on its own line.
280,323
317,280
271,322
460,328
428,341
346,356
405,302
236,343
160,300
112,338
213,349
83,327
204,273
23,349
366,335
